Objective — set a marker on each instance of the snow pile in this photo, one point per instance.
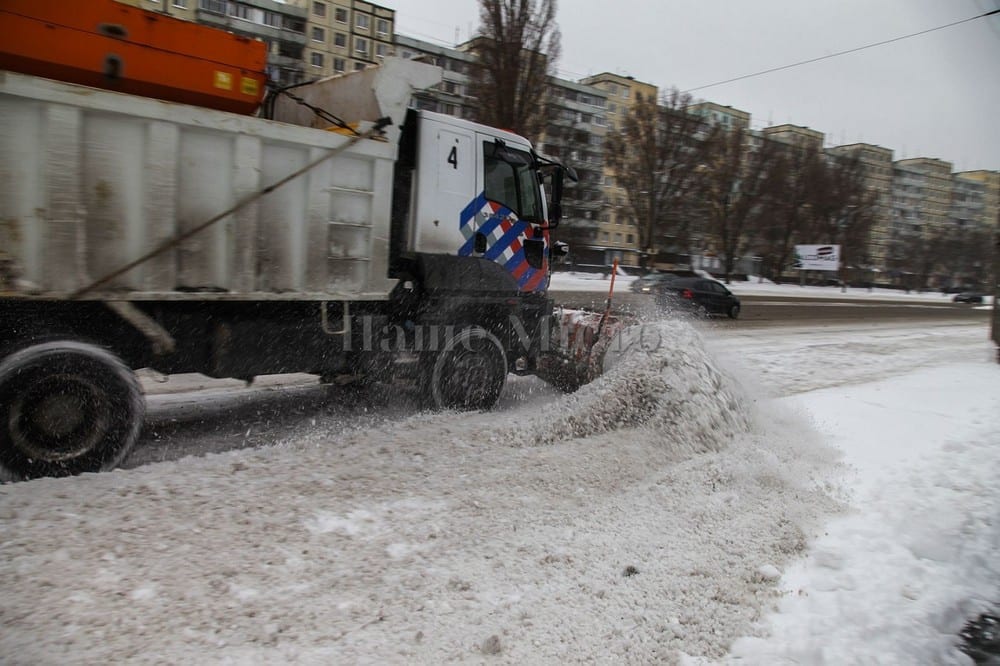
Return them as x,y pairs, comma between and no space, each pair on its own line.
658,377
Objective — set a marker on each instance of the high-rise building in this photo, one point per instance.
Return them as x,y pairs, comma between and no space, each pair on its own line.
991,196
724,116
795,135
451,96
877,172
932,180
574,134
346,35
967,203
617,234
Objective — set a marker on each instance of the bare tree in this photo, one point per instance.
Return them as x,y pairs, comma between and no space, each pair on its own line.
741,180
655,157
517,46
801,170
842,209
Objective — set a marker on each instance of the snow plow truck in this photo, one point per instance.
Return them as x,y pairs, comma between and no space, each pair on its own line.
156,211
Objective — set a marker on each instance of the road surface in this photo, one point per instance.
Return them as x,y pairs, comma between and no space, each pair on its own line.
226,414
791,310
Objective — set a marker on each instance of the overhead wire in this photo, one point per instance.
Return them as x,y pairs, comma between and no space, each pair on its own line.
841,53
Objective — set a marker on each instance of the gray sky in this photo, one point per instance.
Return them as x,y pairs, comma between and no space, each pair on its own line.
936,95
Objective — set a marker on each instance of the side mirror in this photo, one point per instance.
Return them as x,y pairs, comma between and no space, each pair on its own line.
557,192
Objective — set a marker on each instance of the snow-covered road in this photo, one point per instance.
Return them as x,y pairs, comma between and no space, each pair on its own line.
648,519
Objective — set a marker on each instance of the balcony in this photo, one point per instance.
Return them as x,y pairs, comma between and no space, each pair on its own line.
213,13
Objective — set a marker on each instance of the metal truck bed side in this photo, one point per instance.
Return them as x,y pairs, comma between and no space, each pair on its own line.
90,180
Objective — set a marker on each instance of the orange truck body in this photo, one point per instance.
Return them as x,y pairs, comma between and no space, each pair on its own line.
110,45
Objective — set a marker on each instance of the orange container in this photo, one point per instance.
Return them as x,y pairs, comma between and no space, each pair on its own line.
106,44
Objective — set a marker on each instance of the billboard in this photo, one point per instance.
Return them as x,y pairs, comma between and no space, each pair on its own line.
817,257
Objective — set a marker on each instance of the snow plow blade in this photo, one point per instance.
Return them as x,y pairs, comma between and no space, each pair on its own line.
579,341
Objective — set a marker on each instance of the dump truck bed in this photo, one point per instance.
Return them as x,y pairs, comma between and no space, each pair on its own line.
90,180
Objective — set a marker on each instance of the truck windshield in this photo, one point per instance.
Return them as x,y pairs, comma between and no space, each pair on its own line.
511,180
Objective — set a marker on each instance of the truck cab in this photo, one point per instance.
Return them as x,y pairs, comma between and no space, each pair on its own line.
478,194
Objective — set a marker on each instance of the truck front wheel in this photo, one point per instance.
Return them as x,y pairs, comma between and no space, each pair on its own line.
66,408
469,373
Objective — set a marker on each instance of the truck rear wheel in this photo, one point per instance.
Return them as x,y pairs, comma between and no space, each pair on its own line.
66,408
469,373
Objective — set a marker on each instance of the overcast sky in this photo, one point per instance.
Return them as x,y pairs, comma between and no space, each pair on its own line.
936,95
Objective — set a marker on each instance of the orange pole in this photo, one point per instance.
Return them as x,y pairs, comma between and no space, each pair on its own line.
611,291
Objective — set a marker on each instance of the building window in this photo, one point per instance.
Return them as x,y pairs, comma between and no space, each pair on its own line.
625,92
272,19
319,9
361,46
239,11
382,27
339,65
362,21
358,66
182,4
318,34
340,15
214,6
316,59
380,50
340,39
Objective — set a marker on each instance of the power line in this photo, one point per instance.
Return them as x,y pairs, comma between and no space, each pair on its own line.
840,53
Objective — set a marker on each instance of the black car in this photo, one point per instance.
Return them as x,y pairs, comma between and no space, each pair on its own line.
701,295
968,297
647,283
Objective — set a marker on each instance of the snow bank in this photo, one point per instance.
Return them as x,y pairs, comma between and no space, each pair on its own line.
894,581
658,377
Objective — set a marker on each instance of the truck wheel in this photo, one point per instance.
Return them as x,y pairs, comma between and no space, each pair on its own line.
469,373
66,408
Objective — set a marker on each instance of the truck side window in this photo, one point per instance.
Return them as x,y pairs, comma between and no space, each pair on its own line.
501,185
511,181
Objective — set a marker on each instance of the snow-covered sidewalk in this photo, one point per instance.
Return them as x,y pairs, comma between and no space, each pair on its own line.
894,580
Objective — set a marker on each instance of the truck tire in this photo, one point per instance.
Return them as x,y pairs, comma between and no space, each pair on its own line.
66,408
469,373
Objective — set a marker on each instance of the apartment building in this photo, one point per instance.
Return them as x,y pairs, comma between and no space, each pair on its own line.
877,172
990,180
616,235
346,35
574,134
796,135
717,114
930,179
967,198
281,25
451,96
